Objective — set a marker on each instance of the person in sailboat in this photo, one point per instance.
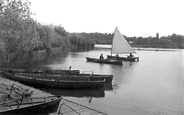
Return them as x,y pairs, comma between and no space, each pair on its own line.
130,56
101,56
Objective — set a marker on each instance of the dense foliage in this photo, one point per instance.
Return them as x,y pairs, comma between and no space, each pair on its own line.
98,38
18,31
78,40
20,34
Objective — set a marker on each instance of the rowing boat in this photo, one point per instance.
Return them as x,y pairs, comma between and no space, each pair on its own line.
55,81
32,105
73,73
15,100
8,92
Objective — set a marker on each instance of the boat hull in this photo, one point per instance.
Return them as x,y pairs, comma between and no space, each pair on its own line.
41,108
108,77
55,81
105,61
123,58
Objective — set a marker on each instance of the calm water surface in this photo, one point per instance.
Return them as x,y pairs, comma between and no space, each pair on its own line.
152,86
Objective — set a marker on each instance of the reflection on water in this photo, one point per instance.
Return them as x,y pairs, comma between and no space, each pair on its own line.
152,86
31,63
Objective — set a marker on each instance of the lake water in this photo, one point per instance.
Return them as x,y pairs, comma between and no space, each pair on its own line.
152,86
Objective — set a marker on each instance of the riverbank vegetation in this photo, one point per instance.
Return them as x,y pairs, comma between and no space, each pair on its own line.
21,35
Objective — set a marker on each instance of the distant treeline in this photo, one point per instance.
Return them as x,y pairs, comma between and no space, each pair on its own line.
171,41
20,34
98,38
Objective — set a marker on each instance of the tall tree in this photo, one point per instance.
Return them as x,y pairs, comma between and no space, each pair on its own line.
60,30
18,30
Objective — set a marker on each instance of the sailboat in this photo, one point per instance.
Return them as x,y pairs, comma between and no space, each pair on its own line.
121,46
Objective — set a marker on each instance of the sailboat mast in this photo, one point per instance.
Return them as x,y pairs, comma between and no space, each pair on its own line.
112,40
111,43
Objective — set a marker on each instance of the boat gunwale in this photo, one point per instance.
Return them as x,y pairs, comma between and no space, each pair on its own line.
56,79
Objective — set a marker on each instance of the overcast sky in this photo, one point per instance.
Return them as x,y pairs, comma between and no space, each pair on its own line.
132,17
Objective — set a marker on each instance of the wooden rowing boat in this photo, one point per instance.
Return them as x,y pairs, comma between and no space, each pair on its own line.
16,100
32,105
55,81
9,92
73,73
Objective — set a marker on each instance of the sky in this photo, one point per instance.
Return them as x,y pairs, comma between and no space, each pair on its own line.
132,17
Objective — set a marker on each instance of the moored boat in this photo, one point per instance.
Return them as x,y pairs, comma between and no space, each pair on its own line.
104,61
16,100
55,81
9,92
108,77
32,105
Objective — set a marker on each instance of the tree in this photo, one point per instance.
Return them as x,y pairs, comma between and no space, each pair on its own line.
60,30
18,29
164,41
157,35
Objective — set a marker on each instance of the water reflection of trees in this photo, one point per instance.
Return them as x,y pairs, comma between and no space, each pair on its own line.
35,63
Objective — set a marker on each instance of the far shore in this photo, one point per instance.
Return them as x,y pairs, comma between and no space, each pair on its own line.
144,46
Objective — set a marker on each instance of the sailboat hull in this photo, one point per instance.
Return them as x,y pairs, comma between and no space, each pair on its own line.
123,58
105,61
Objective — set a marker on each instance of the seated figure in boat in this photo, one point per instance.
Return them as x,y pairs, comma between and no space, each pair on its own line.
117,55
101,57
130,56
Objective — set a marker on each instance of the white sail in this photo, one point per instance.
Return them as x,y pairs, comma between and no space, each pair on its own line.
120,45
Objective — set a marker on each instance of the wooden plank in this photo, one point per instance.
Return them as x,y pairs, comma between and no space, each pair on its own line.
68,107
